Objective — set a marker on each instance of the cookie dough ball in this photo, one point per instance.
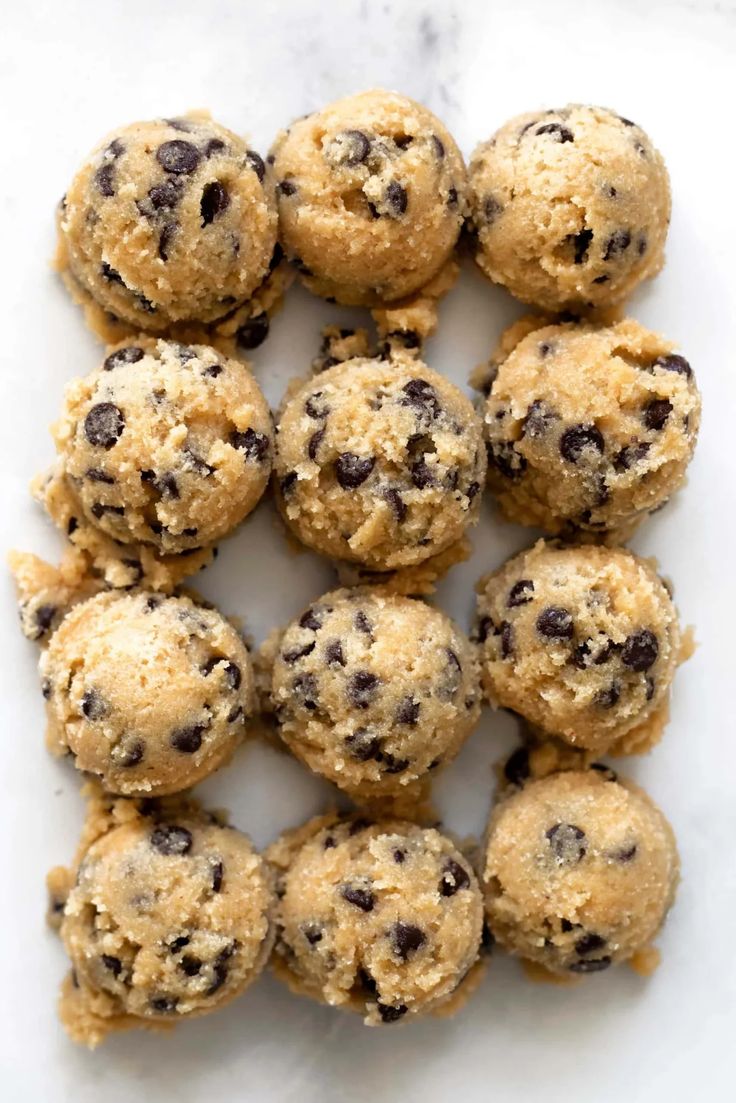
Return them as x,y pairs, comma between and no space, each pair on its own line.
374,690
380,463
571,207
168,221
589,428
166,444
582,642
579,871
371,197
384,918
149,693
168,919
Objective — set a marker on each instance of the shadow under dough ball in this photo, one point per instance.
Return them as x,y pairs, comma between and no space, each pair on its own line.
583,642
588,428
571,207
380,463
371,194
148,693
579,871
170,220
380,918
166,444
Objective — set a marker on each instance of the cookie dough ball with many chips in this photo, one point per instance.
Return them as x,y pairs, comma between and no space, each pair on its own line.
371,197
571,207
579,871
169,221
148,693
166,444
583,642
589,428
380,918
379,462
171,917
374,690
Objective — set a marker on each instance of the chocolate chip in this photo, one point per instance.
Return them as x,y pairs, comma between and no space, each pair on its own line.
577,439
312,933
215,199
305,688
131,354
110,274
618,243
313,444
625,854
601,768
360,898
391,1014
674,363
422,475
555,623
517,769
179,943
236,713
46,689
287,482
397,503
406,939
407,712
329,842
601,279
392,765
104,179
351,470
256,163
363,745
44,618
452,197
310,619
220,969
98,509
187,740
491,209
93,705
316,409
568,843
167,485
506,459
595,965
255,445
454,877
334,655
507,640
656,413
354,147
128,753
557,131
361,688
253,332
164,1005
539,418
520,593
286,187
399,856
114,964
589,944
409,338
420,394
72,525
165,238
170,840
190,965
629,455
640,650
581,243
104,425
650,686
439,146
178,157
609,697
297,653
166,196
396,198
95,475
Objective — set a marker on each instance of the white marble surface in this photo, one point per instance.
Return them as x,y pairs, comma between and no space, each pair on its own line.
70,71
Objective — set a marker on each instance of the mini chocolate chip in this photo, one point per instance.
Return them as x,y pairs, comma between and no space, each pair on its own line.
169,840
506,459
44,618
179,943
397,198
491,209
609,697
313,444
305,688
361,688
516,769
581,244
255,445
312,933
287,482
629,455
454,877
253,332
392,765
452,197
46,688
104,425
256,163
625,854
589,943
355,147
397,503
422,395
674,363
618,243
190,965
656,413
407,712
95,475
298,653
555,623
110,274
557,131
409,338
329,842
316,409
650,686
520,593
187,740
215,199
640,650
93,705
601,279
351,470
610,775
167,485
594,965
165,238
422,475
575,440
286,187
236,713
567,842
507,640
131,354
360,898
399,856
164,197
363,745
334,655
310,619
98,509
391,1014
233,675
539,418
164,1005
217,871
178,157
438,146
406,939
114,964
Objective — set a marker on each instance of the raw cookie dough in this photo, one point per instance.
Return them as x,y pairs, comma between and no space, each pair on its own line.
170,220
379,462
149,693
166,444
385,919
571,207
588,428
580,870
583,642
171,916
371,197
374,690
47,593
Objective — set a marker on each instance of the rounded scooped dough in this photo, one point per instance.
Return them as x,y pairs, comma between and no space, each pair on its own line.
166,444
588,428
385,918
149,693
170,917
579,871
583,642
379,462
168,221
371,197
571,207
374,690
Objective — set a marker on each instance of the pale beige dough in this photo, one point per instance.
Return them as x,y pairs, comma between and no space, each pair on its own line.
374,690
379,462
166,915
589,428
582,642
571,207
579,871
149,693
166,444
371,195
384,918
168,221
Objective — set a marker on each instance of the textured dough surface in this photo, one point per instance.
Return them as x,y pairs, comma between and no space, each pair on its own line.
582,642
571,207
170,220
374,690
170,916
379,462
166,444
588,428
371,197
381,918
579,871
149,693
